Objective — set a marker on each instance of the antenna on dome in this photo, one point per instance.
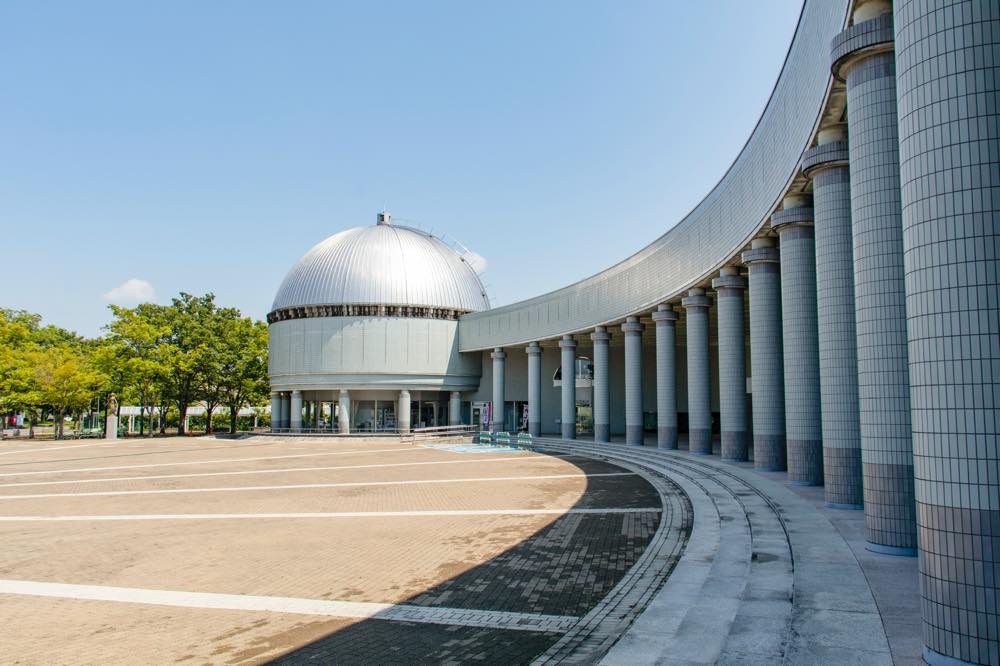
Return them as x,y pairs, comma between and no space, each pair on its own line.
384,217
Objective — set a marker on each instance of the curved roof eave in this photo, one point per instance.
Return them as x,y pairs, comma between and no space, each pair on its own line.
715,230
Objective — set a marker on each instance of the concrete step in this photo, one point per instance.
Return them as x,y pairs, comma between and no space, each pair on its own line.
765,578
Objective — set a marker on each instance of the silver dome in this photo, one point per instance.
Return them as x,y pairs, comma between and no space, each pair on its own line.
382,264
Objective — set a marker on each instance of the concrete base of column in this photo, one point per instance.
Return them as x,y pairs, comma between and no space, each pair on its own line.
937,659
842,482
844,507
535,428
734,446
890,508
569,431
634,435
805,462
890,550
602,432
700,441
666,438
769,453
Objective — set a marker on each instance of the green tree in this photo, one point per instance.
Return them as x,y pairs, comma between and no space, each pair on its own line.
63,380
132,350
41,367
242,372
185,352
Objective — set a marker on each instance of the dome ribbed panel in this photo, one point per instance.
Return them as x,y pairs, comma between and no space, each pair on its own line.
382,264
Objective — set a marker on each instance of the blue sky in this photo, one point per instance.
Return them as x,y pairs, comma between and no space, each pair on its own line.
205,146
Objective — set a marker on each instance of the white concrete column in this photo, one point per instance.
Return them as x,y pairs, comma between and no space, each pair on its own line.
344,409
863,57
766,357
455,409
499,357
295,419
568,412
633,381
800,341
699,373
826,165
403,418
534,351
666,377
275,410
601,395
729,288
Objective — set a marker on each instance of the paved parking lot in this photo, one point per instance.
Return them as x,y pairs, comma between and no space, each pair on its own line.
194,550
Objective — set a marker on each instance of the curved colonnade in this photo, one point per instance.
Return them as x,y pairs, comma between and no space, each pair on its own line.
836,298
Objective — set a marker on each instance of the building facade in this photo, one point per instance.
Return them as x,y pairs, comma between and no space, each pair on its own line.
363,333
831,308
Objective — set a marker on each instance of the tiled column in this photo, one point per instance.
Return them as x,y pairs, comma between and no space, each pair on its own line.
499,357
766,364
601,396
951,240
826,165
729,287
295,418
403,418
666,377
862,55
275,410
699,379
534,351
800,341
568,413
633,381
455,408
344,412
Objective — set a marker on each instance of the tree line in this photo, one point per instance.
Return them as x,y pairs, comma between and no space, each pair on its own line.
155,356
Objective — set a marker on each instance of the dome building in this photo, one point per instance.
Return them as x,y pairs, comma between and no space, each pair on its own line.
364,332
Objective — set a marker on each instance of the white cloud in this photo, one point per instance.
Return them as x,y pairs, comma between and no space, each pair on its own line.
475,260
131,292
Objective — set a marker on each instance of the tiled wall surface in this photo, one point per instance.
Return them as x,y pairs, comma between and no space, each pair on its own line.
767,367
800,341
838,353
883,375
732,373
948,75
698,386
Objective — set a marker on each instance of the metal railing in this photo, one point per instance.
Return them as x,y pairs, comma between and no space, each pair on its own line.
441,432
412,435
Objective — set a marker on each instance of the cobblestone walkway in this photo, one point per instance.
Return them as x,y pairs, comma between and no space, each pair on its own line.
320,551
598,569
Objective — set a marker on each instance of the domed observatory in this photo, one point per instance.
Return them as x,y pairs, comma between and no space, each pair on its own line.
364,333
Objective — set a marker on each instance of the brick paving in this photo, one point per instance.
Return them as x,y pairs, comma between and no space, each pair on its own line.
555,565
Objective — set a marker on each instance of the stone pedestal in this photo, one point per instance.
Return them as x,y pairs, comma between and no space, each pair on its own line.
111,427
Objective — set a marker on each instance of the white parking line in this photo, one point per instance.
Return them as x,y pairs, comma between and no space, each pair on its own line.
199,462
323,514
50,448
300,486
465,461
348,609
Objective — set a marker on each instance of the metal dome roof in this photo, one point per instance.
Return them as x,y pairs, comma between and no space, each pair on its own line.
382,264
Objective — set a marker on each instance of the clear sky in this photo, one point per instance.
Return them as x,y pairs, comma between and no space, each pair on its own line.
205,146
